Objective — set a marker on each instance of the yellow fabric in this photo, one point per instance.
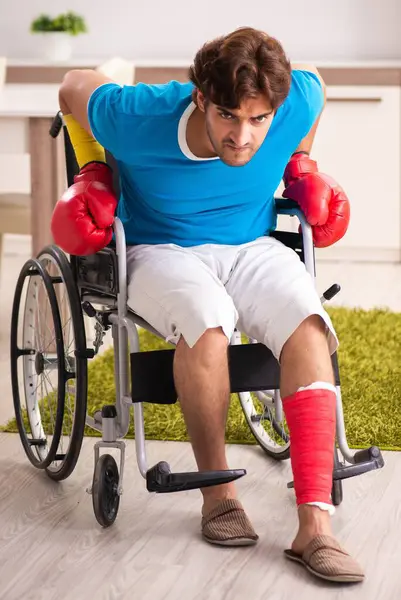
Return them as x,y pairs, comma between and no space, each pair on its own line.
86,148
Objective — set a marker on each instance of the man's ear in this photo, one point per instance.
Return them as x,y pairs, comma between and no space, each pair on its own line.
198,99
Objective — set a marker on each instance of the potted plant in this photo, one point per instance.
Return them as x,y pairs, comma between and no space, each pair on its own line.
56,33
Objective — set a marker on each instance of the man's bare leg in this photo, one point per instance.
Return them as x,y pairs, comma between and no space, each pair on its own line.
202,382
305,359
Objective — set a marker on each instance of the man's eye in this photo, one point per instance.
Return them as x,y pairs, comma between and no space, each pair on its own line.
225,115
261,119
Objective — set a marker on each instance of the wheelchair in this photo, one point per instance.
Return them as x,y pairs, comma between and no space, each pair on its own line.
49,370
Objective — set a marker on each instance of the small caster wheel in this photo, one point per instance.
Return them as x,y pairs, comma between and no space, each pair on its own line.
105,496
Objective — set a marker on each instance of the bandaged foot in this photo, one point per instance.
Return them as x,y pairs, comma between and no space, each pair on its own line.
310,414
312,522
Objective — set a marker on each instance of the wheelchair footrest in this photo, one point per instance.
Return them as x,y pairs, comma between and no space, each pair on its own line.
160,479
366,460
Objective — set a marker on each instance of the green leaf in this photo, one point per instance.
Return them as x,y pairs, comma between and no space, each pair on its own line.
69,22
370,370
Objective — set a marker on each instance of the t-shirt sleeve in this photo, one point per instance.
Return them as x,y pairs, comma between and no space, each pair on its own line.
113,115
308,98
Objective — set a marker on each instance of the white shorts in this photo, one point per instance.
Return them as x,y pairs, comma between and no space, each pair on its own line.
261,288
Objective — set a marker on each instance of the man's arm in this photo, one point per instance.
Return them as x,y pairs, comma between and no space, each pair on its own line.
307,142
74,93
83,217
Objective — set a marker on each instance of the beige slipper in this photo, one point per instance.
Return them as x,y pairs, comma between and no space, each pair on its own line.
228,525
327,559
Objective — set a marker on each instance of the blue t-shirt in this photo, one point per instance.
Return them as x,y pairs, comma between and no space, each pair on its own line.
170,196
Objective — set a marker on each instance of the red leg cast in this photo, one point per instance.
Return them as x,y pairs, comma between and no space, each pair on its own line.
311,418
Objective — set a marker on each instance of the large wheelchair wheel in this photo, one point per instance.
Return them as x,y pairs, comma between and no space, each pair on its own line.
267,425
36,350
74,364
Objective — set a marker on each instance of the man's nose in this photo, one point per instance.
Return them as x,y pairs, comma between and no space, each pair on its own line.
241,135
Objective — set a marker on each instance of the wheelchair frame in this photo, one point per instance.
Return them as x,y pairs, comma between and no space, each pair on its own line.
133,383
125,336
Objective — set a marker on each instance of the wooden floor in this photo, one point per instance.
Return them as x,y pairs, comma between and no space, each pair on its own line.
51,546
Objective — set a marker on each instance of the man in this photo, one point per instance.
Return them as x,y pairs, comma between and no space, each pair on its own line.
199,165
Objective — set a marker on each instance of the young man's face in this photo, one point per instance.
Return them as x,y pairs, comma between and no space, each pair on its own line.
236,134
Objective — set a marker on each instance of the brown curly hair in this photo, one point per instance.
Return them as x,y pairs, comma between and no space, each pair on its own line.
242,64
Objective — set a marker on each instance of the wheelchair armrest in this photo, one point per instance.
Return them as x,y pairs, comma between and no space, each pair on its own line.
121,250
286,206
119,235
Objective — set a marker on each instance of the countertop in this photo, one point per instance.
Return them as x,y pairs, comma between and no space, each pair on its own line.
163,62
29,100
335,73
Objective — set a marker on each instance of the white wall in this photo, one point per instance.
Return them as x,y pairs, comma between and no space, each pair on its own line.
159,29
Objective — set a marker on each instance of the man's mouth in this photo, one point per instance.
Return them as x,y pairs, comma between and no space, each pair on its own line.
238,148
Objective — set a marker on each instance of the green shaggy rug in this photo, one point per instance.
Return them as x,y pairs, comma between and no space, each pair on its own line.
370,371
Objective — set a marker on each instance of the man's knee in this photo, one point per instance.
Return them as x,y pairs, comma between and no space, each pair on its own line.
314,325
311,331
205,361
210,346
206,324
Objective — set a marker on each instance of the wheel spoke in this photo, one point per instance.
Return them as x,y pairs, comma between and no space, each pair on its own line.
38,416
263,413
73,337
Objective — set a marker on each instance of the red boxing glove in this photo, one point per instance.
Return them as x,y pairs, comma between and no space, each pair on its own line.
82,219
323,202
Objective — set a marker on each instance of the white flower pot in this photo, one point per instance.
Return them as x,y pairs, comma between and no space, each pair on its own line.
56,46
